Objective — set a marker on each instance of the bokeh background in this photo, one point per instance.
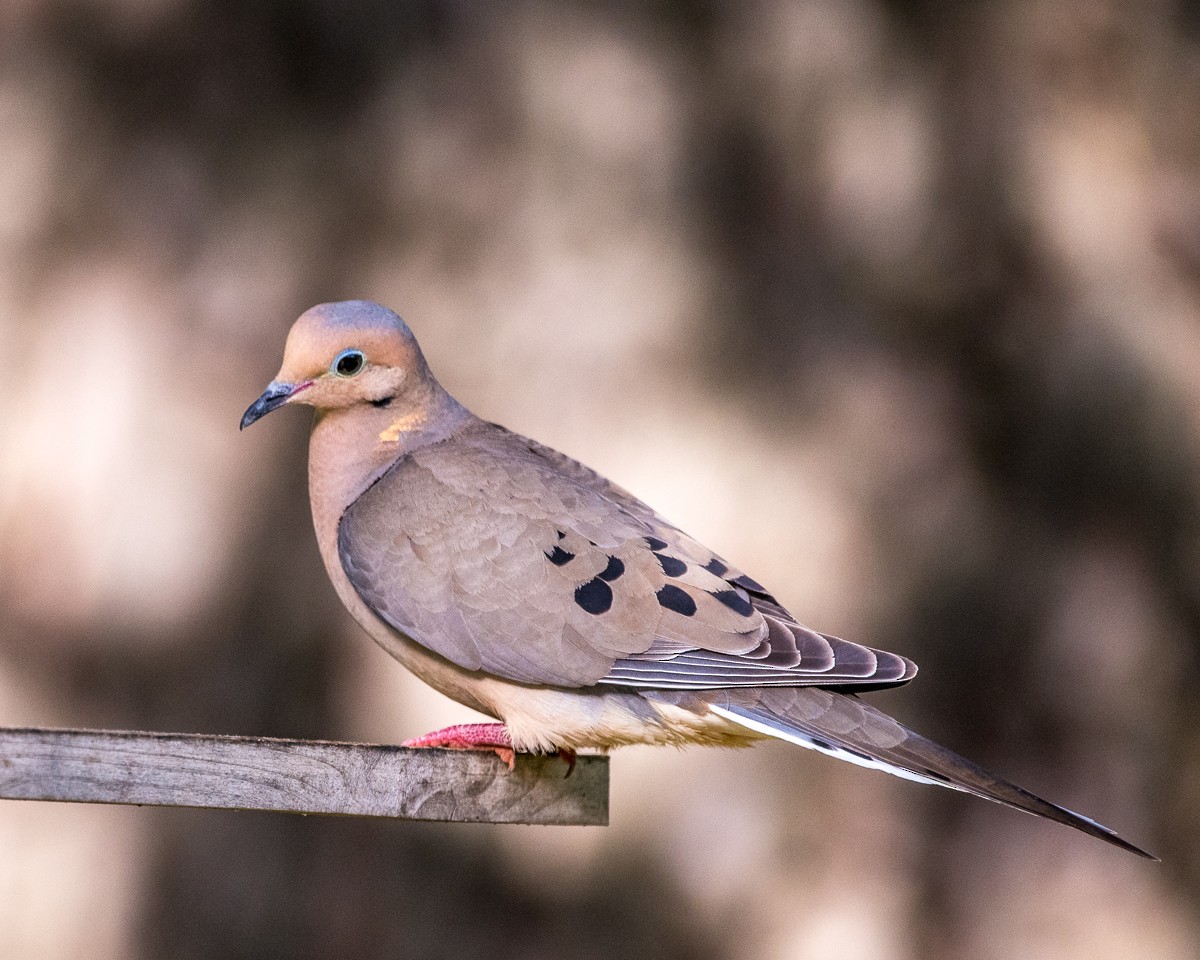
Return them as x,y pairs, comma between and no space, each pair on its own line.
894,304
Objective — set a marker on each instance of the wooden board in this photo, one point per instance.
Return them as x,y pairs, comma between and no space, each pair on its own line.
298,776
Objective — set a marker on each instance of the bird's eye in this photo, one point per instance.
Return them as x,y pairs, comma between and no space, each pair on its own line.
348,363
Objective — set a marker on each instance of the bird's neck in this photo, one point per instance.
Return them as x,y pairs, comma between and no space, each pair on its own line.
350,448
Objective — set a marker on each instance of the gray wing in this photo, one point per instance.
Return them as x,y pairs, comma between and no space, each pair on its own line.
504,556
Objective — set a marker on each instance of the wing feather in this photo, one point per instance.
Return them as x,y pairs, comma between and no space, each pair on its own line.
505,556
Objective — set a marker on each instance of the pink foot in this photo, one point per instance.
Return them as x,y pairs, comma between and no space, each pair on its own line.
470,736
568,757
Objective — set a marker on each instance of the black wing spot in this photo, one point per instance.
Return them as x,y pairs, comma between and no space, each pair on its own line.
595,596
672,598
558,556
655,544
671,566
821,744
614,569
749,583
561,535
716,567
735,602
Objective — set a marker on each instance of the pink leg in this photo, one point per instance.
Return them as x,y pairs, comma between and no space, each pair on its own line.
480,736
470,736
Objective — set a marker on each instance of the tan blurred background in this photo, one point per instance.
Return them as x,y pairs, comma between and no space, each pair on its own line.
894,304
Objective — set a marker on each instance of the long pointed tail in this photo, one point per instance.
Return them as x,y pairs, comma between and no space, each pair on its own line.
845,727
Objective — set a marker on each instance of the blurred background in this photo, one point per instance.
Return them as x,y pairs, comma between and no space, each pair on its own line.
893,304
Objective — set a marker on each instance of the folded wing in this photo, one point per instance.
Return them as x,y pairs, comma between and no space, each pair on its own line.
504,556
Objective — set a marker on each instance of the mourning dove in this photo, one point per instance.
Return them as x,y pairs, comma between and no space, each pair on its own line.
523,584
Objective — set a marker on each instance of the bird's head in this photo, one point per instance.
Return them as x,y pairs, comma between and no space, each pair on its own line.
340,355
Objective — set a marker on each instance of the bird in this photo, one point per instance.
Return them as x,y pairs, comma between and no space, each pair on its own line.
527,586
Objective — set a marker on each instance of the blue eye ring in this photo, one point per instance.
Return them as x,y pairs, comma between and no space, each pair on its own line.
348,363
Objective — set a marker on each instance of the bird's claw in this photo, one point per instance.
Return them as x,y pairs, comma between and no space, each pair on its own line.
470,736
568,757
483,736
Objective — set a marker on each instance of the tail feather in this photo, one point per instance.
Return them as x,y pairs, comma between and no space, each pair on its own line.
843,726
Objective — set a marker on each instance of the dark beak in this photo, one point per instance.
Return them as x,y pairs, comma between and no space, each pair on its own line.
276,395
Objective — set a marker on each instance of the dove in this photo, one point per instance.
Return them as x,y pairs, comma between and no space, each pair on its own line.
528,587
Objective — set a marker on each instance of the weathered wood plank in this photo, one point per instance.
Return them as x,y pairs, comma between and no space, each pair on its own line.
298,776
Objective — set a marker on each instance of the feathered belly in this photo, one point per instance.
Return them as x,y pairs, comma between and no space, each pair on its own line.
542,719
